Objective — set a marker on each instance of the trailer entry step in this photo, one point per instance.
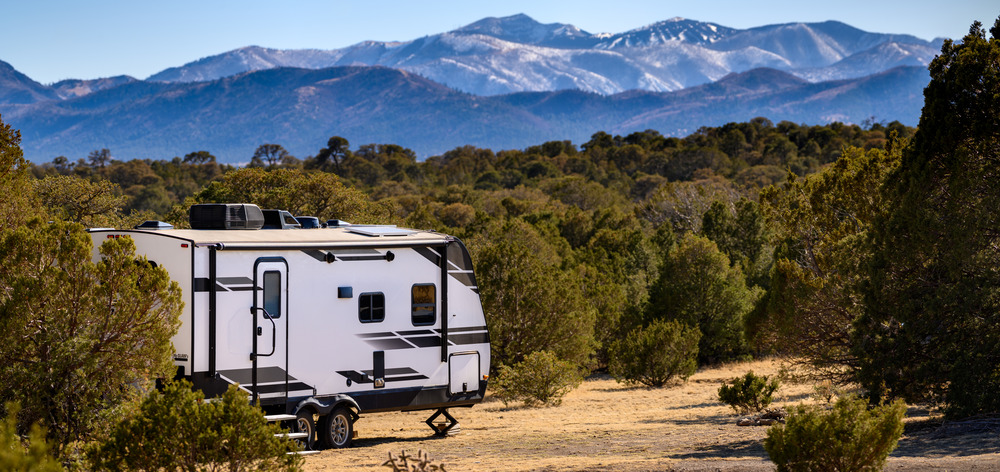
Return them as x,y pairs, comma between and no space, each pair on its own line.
273,418
304,453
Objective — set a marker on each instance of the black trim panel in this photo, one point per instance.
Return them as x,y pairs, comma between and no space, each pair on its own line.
471,338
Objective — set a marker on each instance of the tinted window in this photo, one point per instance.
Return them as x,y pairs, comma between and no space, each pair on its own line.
371,307
272,293
424,304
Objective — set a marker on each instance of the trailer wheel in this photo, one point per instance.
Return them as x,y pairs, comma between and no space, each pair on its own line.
336,429
304,424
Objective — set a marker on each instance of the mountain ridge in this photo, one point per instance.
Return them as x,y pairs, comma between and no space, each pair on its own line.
301,108
494,56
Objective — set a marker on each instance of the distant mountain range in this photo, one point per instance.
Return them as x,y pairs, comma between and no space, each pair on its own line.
500,83
517,54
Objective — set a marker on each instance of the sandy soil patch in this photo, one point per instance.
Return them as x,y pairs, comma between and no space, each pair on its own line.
604,425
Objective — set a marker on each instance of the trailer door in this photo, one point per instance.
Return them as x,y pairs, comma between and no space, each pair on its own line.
270,330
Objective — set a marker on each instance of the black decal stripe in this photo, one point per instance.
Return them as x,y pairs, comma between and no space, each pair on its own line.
280,387
399,371
466,278
405,378
392,371
355,376
235,280
265,375
425,341
429,254
201,284
471,338
388,344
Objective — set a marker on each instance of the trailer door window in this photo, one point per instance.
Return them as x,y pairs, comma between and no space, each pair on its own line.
424,304
371,307
272,293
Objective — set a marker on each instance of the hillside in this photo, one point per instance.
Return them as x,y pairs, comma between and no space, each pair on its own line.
301,108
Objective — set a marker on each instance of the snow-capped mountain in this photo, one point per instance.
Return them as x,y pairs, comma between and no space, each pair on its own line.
513,54
674,29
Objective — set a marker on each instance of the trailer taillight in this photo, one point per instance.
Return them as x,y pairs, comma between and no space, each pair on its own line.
184,245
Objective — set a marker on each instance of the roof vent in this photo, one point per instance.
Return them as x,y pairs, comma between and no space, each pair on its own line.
225,216
154,224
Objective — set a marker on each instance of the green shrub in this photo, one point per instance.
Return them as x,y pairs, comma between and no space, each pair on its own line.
540,379
176,429
749,393
17,455
655,354
848,437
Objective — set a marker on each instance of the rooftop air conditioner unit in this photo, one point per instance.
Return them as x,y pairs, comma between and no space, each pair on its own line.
225,216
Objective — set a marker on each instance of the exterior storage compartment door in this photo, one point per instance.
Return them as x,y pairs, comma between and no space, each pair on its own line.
463,372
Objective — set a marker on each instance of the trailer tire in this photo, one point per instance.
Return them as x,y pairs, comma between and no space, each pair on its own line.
336,429
304,424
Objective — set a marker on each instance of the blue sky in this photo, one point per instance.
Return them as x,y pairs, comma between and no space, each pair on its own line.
52,40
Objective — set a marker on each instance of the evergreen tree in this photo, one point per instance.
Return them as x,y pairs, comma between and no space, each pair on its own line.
932,326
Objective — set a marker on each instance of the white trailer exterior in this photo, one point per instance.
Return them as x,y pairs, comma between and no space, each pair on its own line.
326,323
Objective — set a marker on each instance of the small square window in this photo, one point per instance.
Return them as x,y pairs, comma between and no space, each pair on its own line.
424,304
371,307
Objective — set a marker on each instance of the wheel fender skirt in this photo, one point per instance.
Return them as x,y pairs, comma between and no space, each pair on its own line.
325,405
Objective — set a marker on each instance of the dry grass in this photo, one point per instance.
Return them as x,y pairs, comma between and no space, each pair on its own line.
604,425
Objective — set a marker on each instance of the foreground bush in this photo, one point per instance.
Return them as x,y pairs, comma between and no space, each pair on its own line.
653,355
540,379
178,430
749,393
848,437
17,456
80,338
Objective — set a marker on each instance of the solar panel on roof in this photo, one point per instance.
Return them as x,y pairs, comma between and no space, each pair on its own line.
379,231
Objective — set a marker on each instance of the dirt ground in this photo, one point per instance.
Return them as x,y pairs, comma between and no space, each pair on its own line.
604,425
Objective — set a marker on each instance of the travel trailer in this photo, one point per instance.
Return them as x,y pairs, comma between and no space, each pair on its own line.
324,323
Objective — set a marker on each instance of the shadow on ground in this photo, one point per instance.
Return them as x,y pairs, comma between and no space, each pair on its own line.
747,448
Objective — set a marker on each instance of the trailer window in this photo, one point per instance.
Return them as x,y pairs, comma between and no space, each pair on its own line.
272,293
424,304
371,307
